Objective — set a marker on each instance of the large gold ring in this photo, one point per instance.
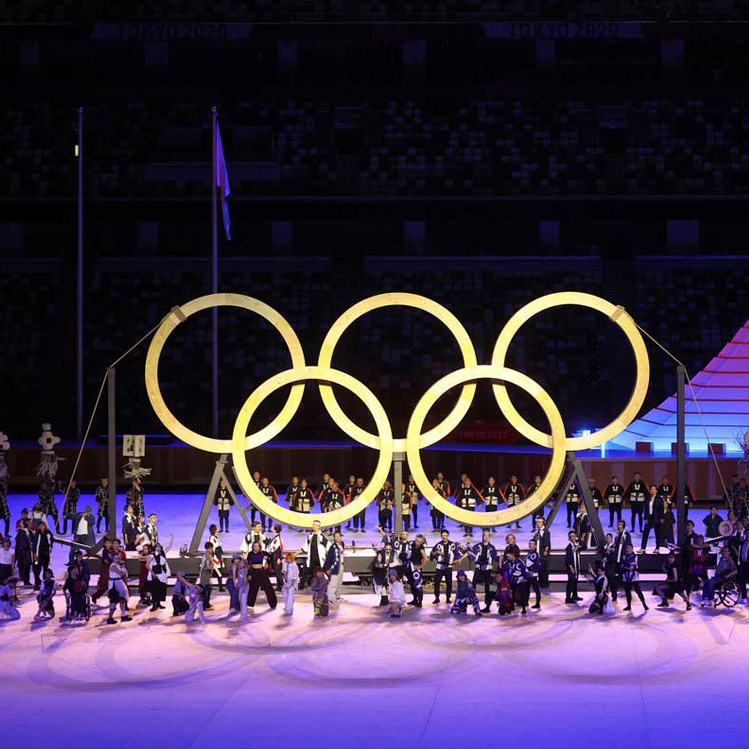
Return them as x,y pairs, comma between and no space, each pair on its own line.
558,440
616,314
180,314
303,519
390,300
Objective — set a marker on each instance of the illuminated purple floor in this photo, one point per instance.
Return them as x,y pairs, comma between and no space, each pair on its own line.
557,677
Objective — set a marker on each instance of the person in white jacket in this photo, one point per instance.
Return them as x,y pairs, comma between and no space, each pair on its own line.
290,583
118,591
256,534
397,596
316,549
158,576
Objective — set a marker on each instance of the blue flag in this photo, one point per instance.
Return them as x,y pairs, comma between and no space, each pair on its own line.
222,181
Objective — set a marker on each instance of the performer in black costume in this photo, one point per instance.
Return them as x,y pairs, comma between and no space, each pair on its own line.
631,578
572,566
636,493
622,540
614,499
360,518
595,493
492,495
223,502
484,556
316,549
674,583
335,501
47,501
438,518
385,500
70,508
468,498
416,496
572,501
445,554
348,495
653,519
514,494
542,538
532,563
102,502
416,561
270,493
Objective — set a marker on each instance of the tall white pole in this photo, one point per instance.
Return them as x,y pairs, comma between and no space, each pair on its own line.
79,285
214,280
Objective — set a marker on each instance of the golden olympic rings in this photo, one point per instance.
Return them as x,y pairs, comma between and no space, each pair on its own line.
553,474
180,314
303,519
390,300
615,314
383,440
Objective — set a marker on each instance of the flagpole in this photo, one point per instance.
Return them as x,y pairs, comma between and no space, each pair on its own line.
214,279
79,285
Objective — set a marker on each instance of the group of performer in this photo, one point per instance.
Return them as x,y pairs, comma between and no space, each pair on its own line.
506,576
686,568
652,506
329,494
46,508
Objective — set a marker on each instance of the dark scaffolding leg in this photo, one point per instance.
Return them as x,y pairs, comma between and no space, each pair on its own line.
112,452
575,473
398,459
681,511
219,473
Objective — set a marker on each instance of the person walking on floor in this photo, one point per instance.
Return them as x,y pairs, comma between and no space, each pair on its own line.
673,584
241,576
654,519
334,569
631,578
118,591
158,575
260,563
319,587
543,547
290,583
223,501
572,565
196,596
445,554
532,563
41,546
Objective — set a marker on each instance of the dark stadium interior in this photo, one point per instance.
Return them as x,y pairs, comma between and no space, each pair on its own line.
372,147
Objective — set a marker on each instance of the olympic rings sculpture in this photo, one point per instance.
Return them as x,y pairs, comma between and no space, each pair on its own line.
411,444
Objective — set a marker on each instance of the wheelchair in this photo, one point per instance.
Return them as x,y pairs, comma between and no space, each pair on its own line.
727,594
80,616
